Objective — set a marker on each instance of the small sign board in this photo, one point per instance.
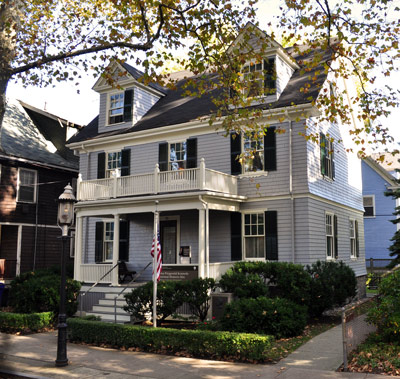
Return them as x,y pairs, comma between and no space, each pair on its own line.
179,272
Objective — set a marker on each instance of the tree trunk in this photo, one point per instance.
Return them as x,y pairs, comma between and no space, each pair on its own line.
3,87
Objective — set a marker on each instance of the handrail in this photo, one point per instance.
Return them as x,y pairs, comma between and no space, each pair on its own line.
94,285
125,287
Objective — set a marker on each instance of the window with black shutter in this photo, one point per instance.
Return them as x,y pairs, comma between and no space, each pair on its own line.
270,149
125,162
101,165
327,156
163,156
236,150
124,241
271,235
128,105
236,236
99,238
191,147
105,241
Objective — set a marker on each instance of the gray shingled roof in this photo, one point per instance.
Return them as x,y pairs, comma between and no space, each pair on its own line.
21,138
175,109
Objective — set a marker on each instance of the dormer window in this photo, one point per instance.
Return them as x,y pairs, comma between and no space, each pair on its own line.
254,154
260,78
120,106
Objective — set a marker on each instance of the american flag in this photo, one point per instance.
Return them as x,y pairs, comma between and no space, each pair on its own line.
159,260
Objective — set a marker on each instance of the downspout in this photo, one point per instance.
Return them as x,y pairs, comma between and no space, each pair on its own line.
206,238
36,226
291,186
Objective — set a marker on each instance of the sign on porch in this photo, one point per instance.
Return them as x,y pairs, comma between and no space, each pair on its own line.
179,272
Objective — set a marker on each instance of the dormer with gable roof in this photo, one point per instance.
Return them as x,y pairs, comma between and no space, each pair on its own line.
125,102
268,76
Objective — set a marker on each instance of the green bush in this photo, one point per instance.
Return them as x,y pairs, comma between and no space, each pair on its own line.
243,284
277,317
140,300
196,293
332,284
17,322
39,291
385,314
198,343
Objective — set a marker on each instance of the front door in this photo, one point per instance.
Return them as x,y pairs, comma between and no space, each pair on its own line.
168,232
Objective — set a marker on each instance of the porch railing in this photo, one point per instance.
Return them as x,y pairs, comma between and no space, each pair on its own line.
92,272
199,178
219,269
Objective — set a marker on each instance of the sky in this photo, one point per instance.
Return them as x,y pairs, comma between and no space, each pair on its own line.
64,100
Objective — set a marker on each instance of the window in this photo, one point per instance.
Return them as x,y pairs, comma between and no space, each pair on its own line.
177,156
116,108
108,241
259,78
369,206
331,236
254,153
254,238
26,185
113,164
327,157
354,246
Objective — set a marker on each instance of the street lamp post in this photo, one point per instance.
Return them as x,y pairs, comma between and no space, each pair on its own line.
65,219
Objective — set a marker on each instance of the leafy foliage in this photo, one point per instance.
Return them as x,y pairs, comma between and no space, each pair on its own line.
395,247
332,284
385,314
279,317
243,284
39,291
19,322
198,343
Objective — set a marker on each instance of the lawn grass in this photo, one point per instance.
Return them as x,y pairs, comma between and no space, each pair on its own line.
376,356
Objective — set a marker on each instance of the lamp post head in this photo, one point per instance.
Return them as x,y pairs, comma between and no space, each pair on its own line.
66,209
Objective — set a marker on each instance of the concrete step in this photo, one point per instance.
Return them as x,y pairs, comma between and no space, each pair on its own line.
109,302
107,317
108,309
111,296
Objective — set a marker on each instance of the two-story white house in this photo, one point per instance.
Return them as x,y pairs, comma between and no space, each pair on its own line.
152,149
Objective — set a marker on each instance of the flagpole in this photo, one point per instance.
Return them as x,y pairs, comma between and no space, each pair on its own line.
155,268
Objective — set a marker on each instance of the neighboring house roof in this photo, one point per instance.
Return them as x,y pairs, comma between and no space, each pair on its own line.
35,135
390,163
380,170
174,108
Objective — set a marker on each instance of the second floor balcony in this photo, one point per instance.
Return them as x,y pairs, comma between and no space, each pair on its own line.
200,179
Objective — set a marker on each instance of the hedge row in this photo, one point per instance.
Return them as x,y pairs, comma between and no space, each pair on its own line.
199,343
19,322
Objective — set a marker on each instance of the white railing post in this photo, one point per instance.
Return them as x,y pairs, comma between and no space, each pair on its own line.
78,187
156,179
202,174
115,185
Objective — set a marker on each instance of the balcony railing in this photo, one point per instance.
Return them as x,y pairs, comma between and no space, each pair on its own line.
200,178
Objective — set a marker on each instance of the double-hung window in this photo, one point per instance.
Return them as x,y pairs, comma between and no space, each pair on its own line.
354,243
259,78
254,153
369,205
116,108
27,185
331,236
113,164
254,235
108,241
177,156
327,157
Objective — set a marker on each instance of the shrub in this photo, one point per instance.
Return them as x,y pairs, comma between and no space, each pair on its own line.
332,284
196,293
140,300
243,284
198,343
40,292
385,314
17,322
279,317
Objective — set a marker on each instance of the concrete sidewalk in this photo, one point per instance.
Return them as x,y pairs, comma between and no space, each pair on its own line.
33,356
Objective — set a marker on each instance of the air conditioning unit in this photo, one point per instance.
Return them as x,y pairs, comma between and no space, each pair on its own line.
218,301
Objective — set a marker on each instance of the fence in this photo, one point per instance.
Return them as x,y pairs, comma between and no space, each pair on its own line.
375,264
355,328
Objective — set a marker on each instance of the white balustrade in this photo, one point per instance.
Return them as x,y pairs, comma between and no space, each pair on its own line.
95,189
135,185
220,182
179,180
91,273
219,269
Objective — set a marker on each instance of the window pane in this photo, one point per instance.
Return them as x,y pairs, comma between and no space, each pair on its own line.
254,230
247,219
329,247
254,247
26,193
253,218
247,230
260,230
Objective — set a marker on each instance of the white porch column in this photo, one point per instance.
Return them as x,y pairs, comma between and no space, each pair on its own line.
115,250
202,244
207,235
78,248
19,245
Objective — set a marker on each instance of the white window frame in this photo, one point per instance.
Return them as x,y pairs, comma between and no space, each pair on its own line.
34,185
180,164
108,241
178,235
109,109
114,171
252,70
244,236
353,238
250,139
373,205
330,237
329,158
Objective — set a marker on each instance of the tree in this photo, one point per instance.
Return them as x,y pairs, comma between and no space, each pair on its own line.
395,247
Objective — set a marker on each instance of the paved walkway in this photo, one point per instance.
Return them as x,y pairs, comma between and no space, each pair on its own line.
33,356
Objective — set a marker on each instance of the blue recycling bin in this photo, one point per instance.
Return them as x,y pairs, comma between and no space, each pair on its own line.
2,286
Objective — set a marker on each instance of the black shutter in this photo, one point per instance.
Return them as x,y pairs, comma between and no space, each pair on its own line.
191,153
271,235
270,149
124,241
98,255
333,162
335,233
125,162
357,240
163,156
236,236
128,105
269,76
322,144
236,150
101,165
